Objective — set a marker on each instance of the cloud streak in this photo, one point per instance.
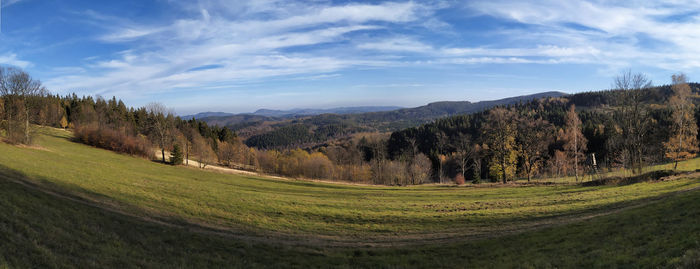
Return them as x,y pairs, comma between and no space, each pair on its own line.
164,56
212,44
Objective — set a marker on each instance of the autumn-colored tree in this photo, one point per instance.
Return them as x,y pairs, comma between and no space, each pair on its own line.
64,122
226,154
500,134
575,144
459,179
682,143
202,151
534,136
559,163
317,165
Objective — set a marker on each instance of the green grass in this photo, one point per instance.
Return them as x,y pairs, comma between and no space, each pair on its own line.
42,230
260,205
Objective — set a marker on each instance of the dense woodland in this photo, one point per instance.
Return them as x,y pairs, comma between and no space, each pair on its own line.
632,126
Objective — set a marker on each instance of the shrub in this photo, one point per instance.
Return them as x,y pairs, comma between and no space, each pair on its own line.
113,140
459,179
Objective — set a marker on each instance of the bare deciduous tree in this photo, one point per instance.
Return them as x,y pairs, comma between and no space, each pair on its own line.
633,114
464,153
22,93
575,141
160,125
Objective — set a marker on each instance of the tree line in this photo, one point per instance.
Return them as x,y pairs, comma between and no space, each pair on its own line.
631,126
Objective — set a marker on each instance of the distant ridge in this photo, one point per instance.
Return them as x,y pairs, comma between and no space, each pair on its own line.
206,115
301,127
297,112
311,111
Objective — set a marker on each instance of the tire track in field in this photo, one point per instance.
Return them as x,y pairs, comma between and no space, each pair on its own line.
272,237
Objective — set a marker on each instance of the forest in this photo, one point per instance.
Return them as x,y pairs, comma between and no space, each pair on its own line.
631,126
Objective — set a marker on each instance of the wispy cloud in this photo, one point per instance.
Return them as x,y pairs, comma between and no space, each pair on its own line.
634,33
7,3
219,44
165,56
11,59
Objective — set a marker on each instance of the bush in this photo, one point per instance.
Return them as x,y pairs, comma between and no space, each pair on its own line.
459,179
113,140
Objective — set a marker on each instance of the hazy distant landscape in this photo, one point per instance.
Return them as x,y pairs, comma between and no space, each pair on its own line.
483,134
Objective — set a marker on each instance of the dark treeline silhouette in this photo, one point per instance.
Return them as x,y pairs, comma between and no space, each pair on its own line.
631,127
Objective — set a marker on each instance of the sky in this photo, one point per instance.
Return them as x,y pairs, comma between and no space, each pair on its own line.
239,56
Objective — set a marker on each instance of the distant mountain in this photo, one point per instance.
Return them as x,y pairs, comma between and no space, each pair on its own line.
206,114
311,111
408,117
280,129
295,112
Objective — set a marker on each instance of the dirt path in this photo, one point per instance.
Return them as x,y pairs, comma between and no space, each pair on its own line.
271,237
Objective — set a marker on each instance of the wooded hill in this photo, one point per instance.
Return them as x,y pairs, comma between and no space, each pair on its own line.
308,131
628,128
631,127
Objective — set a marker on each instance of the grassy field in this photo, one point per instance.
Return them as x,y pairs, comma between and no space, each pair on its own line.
66,204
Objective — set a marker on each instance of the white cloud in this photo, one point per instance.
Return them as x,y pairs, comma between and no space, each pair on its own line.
7,3
242,49
614,33
11,59
256,40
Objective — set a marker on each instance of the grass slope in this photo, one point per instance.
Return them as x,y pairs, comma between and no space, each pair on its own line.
63,204
329,212
41,230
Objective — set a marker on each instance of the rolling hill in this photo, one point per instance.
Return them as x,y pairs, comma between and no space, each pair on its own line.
272,131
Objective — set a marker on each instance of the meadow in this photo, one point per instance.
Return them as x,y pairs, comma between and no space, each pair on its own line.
67,204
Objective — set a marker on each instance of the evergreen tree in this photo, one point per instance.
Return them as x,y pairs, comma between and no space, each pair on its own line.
176,155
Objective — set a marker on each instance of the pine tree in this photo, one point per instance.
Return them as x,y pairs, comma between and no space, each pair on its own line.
176,155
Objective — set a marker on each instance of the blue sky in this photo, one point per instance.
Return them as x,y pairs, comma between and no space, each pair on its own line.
238,56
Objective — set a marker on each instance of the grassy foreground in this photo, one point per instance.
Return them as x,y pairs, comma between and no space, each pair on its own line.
96,217
40,230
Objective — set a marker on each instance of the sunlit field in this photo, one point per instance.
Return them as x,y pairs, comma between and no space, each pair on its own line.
67,203
337,213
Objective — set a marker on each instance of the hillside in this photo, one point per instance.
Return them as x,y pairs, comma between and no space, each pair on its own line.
64,204
276,132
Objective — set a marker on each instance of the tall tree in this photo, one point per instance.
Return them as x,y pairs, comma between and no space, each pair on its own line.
634,117
23,93
682,143
499,130
575,143
464,152
534,136
160,125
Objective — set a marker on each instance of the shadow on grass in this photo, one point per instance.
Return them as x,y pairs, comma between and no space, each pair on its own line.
646,177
